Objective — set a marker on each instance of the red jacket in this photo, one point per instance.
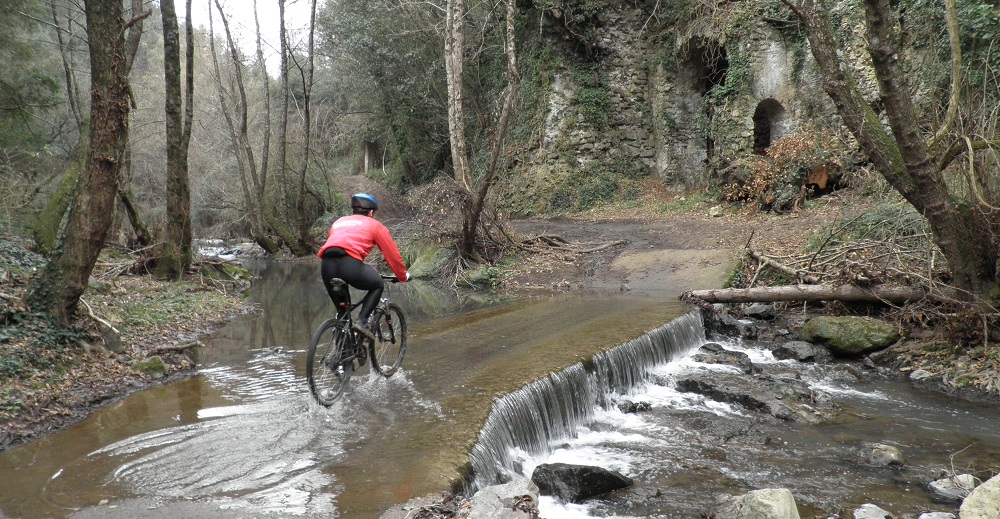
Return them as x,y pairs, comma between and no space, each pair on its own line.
357,234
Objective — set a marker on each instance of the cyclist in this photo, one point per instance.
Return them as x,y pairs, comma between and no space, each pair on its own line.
350,240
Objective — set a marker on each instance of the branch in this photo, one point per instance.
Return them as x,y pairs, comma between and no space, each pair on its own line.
959,146
801,275
179,347
951,17
103,322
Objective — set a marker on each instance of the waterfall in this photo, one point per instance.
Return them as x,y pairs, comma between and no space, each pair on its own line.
549,409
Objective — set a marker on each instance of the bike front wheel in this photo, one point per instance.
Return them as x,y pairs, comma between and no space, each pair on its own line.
390,341
328,377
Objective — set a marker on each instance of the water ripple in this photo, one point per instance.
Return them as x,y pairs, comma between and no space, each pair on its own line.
264,455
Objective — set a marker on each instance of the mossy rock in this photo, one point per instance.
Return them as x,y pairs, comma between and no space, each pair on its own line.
430,261
849,337
227,272
484,276
153,366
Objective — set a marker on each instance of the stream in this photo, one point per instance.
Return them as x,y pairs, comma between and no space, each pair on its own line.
243,438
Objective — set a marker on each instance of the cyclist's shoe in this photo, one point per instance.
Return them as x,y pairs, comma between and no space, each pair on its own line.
362,328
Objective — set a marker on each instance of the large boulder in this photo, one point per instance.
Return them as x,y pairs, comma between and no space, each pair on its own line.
983,502
801,351
714,353
576,483
785,398
850,337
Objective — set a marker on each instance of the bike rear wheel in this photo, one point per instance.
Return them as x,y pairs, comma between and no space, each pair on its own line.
389,346
328,377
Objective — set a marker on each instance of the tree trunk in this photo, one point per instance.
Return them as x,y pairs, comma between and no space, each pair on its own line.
809,293
252,189
454,62
176,256
473,214
45,230
903,158
57,290
142,235
307,83
282,158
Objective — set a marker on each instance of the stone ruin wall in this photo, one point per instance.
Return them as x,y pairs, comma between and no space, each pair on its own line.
658,110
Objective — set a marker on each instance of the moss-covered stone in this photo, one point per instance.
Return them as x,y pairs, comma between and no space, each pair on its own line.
848,337
153,366
430,261
482,276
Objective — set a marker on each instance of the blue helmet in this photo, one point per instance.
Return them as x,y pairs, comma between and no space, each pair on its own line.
364,201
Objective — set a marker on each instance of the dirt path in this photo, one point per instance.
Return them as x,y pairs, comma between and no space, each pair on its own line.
662,256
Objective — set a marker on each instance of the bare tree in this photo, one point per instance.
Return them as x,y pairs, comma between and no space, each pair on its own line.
46,228
57,290
251,181
454,61
176,256
473,213
965,228
307,74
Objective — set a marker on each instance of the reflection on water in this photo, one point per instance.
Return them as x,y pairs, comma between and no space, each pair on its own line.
244,436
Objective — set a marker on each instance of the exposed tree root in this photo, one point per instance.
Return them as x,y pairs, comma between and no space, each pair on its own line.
543,242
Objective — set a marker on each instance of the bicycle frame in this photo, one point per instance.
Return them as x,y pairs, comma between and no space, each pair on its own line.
331,360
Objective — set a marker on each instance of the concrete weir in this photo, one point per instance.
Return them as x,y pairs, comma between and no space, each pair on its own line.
533,417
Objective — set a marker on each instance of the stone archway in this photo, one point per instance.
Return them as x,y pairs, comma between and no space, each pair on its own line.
768,124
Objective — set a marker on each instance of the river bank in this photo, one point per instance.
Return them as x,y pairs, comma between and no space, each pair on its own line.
659,254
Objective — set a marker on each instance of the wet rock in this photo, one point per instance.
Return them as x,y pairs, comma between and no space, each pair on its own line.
936,515
953,489
801,351
576,483
631,407
720,323
759,311
714,353
882,455
768,503
870,511
781,397
514,500
983,502
850,337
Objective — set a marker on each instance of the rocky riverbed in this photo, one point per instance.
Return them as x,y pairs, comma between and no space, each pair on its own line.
852,350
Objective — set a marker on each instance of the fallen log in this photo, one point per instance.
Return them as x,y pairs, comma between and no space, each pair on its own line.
806,293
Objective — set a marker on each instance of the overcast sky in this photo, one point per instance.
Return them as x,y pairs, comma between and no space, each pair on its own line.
241,22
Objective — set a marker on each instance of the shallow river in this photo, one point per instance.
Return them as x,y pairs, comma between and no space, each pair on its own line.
243,438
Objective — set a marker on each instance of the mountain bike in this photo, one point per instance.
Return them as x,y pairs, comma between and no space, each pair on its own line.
337,351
